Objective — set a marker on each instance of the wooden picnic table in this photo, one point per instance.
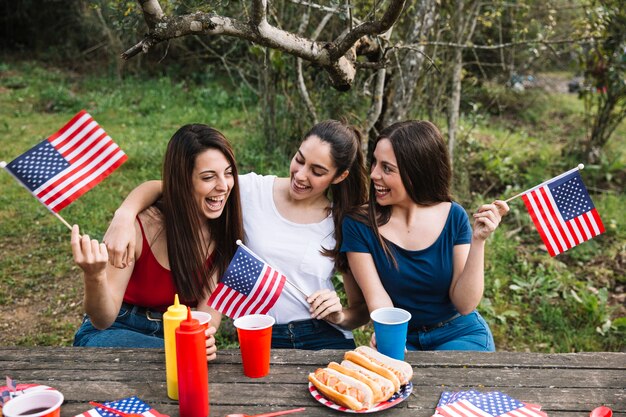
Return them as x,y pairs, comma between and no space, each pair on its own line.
563,384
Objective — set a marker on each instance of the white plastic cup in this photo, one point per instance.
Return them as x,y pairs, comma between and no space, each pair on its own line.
203,318
46,403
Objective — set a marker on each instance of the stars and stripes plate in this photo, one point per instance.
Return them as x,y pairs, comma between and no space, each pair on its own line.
8,393
396,398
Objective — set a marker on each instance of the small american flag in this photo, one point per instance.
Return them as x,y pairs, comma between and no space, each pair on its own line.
69,163
563,212
488,404
249,286
127,405
11,384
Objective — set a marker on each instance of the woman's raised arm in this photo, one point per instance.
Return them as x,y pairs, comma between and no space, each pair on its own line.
120,236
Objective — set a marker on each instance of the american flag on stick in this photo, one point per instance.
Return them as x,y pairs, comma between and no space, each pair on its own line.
249,286
563,212
69,163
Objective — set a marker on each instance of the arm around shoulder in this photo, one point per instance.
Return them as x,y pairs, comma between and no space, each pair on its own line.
120,237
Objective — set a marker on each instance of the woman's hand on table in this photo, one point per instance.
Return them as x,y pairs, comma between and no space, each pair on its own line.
211,348
326,305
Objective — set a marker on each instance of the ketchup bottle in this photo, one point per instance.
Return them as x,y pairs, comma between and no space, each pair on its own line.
171,319
193,372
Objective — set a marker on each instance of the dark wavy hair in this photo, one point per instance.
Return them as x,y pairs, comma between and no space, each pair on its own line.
346,154
188,262
424,167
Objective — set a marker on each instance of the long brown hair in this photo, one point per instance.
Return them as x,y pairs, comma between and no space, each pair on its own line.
188,262
346,153
424,167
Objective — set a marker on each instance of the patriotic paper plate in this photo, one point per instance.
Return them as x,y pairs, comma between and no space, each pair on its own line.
7,394
397,398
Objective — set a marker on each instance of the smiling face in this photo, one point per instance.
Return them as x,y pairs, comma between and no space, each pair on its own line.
312,170
212,181
385,176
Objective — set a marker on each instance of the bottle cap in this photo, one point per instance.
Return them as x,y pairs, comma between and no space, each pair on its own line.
177,309
190,324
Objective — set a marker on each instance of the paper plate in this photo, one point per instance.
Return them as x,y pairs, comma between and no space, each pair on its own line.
23,389
396,398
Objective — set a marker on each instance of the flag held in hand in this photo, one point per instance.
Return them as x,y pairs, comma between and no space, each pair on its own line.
563,212
69,163
249,286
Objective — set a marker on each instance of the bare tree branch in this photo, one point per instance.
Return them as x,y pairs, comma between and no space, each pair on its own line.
337,58
259,10
152,12
375,27
470,45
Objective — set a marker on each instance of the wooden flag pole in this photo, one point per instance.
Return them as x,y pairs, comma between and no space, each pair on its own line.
58,216
580,167
3,164
240,243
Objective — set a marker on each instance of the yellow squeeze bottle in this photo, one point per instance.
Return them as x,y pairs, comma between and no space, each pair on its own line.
171,320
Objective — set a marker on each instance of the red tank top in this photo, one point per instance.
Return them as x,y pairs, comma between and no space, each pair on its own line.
151,285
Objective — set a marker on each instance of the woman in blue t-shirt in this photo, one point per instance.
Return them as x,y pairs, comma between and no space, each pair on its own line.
413,247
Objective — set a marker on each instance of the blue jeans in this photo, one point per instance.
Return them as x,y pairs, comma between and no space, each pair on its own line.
129,330
469,332
310,335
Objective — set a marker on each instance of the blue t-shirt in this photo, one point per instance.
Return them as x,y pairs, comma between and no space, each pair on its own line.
422,281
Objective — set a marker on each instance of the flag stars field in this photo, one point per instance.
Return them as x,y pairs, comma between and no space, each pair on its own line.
249,286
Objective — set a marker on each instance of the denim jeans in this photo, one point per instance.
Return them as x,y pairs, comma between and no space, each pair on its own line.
129,330
469,332
310,335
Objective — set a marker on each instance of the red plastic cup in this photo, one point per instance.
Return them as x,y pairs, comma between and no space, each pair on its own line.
255,338
203,318
45,403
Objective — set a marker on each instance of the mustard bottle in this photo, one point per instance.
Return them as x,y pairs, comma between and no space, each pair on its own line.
171,320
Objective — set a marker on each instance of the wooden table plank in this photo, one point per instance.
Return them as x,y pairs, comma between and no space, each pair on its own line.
565,385
583,360
487,377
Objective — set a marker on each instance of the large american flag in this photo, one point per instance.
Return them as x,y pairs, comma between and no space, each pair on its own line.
69,163
563,213
488,404
127,405
249,286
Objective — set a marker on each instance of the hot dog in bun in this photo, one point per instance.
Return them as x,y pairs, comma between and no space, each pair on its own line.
382,388
342,389
399,372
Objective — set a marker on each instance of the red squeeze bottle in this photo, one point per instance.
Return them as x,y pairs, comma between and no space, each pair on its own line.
193,372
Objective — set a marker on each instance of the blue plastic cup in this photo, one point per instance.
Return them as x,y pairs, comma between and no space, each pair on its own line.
391,325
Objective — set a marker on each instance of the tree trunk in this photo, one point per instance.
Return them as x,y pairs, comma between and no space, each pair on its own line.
466,23
455,102
401,90
269,95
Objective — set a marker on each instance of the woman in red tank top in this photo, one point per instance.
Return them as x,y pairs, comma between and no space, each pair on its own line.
178,235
